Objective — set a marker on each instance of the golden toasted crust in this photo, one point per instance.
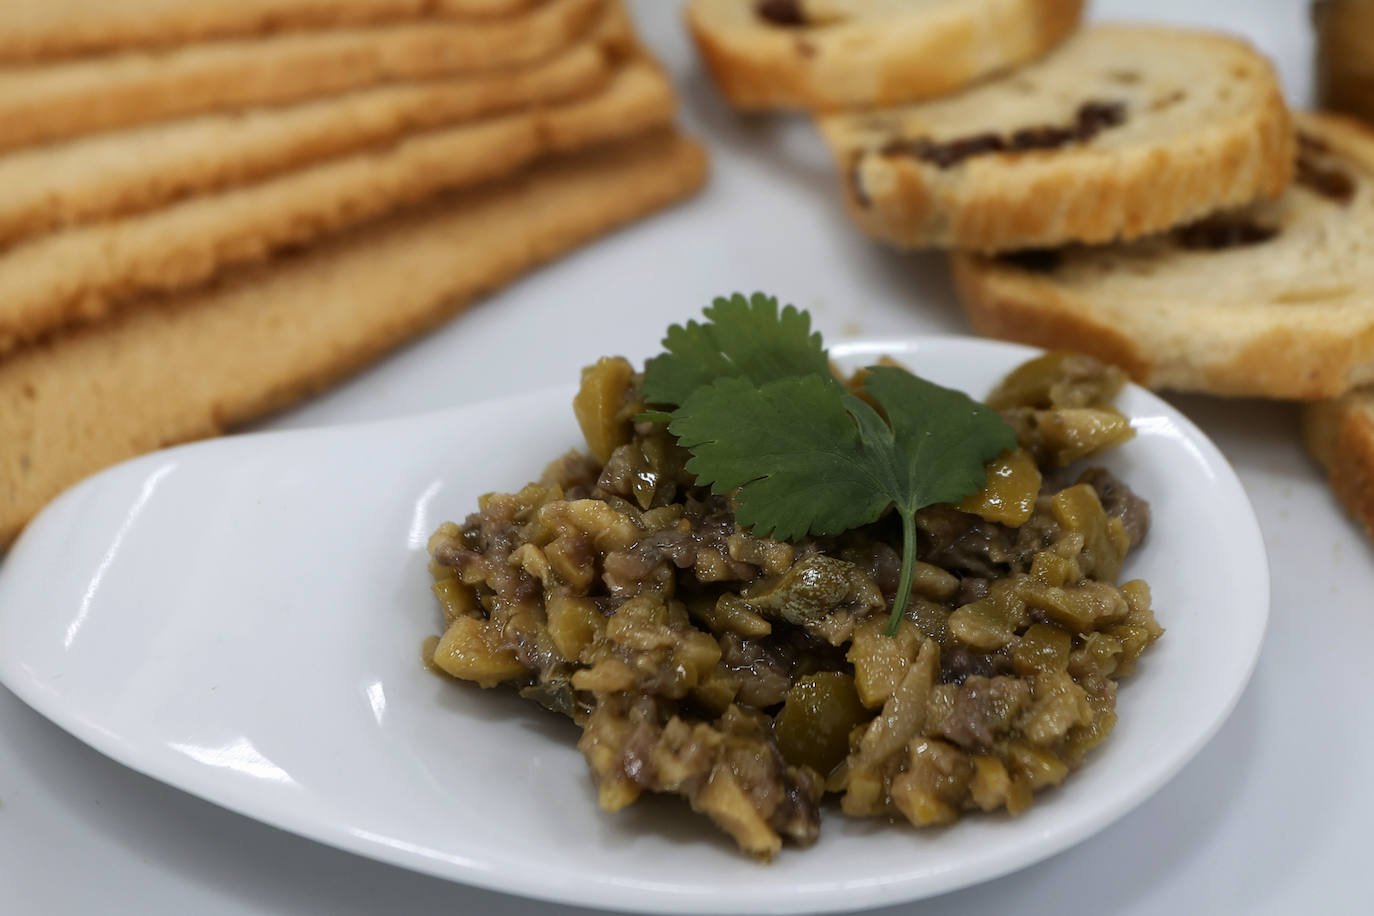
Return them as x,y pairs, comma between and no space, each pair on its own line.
1180,151
80,274
1311,363
1340,435
1042,320
136,169
1280,363
870,52
191,366
41,103
42,29
1290,316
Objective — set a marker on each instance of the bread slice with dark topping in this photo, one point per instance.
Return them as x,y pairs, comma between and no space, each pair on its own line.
1272,300
829,54
1121,132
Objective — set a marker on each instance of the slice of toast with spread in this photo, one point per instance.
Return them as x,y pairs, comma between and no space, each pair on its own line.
831,54
1120,132
1272,300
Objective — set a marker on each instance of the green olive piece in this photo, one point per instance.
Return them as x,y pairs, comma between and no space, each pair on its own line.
598,402
1058,379
1009,491
819,713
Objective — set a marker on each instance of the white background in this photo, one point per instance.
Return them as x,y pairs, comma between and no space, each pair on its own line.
1273,816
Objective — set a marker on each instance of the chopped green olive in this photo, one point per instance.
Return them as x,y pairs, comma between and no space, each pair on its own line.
1058,379
819,713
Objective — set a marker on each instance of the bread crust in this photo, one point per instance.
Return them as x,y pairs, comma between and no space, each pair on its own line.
1090,192
1339,433
1198,320
1273,364
81,274
36,31
871,62
42,103
191,366
1041,318
119,173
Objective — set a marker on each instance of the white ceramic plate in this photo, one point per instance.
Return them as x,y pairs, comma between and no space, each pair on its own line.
242,619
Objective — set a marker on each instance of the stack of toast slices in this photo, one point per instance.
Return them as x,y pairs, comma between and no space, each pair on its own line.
215,208
1139,193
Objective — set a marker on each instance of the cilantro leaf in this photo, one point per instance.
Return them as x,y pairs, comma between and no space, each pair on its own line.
790,448
742,338
803,455
942,437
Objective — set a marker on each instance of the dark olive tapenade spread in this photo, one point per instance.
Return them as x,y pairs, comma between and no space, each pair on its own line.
751,676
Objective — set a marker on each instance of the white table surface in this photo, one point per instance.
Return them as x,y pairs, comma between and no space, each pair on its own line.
1271,817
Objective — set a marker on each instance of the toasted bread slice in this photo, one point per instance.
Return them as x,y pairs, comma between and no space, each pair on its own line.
1120,132
828,54
45,102
81,273
190,366
60,185
43,29
1340,435
1274,300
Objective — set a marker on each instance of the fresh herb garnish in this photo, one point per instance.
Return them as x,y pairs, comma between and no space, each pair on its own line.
742,338
756,404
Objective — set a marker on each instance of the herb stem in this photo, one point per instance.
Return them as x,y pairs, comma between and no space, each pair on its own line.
908,564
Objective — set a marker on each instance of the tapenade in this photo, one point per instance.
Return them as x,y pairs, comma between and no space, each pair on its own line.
752,676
